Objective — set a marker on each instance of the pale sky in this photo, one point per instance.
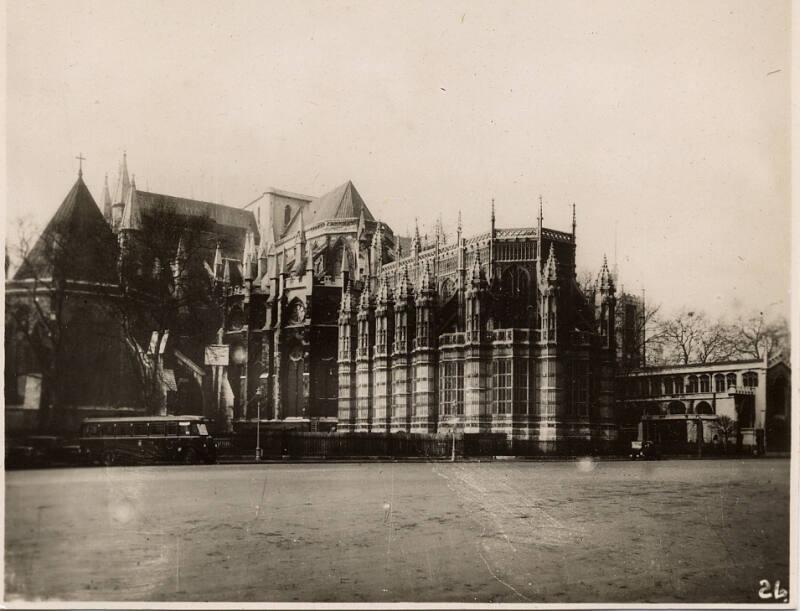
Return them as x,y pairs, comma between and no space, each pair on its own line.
666,122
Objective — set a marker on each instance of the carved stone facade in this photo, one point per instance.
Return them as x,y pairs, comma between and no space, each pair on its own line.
332,327
491,334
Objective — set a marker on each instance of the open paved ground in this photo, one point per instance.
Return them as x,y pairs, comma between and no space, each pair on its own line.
671,531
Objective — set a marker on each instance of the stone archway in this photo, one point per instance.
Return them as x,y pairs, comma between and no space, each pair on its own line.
676,407
703,407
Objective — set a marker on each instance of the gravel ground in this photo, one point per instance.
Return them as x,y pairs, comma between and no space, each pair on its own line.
517,532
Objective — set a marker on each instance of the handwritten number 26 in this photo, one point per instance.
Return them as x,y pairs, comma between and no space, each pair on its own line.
766,591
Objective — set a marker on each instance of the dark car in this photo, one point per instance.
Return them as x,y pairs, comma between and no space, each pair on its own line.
644,450
41,451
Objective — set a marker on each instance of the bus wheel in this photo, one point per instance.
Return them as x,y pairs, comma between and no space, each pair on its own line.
108,459
190,456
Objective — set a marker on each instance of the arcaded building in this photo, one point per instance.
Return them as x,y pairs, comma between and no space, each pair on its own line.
679,406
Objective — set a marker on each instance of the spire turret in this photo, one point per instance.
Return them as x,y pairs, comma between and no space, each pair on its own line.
426,283
416,242
574,224
365,301
263,260
377,250
106,200
477,277
551,267
361,232
384,292
541,216
123,182
404,289
604,281
248,257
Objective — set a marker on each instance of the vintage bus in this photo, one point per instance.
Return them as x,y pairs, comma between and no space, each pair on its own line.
144,440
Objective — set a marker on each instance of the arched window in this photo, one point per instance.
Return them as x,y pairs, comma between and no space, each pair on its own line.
287,215
447,289
678,386
676,407
731,379
692,384
703,408
750,379
719,383
704,383
515,281
668,386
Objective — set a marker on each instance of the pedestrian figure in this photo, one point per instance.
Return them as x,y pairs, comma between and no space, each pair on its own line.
387,512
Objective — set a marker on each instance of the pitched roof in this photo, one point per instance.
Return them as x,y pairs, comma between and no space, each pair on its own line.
77,243
344,202
227,216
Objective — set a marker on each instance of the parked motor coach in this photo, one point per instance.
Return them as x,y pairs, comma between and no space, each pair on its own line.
147,440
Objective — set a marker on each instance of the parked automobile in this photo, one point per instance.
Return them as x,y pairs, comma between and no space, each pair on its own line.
644,450
41,451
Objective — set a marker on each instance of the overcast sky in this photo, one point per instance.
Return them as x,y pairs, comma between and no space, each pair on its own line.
667,123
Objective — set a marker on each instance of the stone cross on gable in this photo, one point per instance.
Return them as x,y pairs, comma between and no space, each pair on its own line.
80,159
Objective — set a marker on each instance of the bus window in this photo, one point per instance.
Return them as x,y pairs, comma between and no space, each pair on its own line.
107,429
90,430
172,428
139,429
124,429
200,429
183,428
157,429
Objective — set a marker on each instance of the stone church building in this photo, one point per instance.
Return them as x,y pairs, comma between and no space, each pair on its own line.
320,318
332,323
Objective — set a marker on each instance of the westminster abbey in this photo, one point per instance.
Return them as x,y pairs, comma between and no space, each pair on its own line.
324,319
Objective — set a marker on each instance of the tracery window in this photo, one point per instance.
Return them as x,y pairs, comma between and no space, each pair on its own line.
719,383
704,383
731,379
451,389
501,386
692,384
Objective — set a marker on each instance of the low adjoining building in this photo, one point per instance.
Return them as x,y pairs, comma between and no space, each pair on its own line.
681,407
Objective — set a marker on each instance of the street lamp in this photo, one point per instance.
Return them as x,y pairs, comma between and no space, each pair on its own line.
258,424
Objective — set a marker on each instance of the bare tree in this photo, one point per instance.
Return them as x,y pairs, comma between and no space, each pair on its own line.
166,291
586,279
690,337
725,427
753,336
